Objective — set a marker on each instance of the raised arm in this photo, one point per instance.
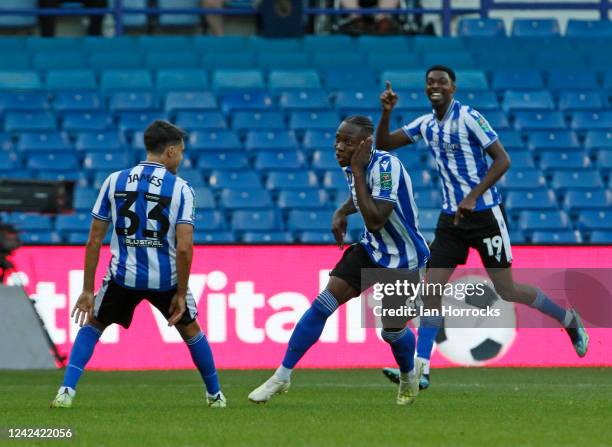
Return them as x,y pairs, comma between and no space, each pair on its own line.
386,140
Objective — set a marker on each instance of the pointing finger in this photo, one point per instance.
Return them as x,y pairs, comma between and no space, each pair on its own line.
388,84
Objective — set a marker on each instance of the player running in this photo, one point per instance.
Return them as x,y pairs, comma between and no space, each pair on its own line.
152,212
381,190
472,213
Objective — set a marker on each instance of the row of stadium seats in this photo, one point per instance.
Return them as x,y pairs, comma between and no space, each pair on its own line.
277,81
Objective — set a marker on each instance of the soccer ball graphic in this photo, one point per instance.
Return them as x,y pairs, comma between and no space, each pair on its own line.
475,341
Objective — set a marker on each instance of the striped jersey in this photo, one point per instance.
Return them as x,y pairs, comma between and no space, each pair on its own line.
399,244
458,143
144,203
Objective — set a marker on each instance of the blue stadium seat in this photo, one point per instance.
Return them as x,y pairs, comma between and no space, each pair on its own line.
293,79
126,80
224,80
222,160
20,21
581,199
309,220
494,58
318,139
176,101
292,180
421,178
596,139
481,28
20,80
511,139
563,139
569,101
558,60
283,61
334,179
457,60
30,222
572,80
214,237
40,237
543,220
181,80
204,199
428,218
150,43
43,142
531,200
245,198
522,160
604,160
77,222
246,100
592,120
410,159
98,161
200,120
269,45
356,100
497,119
207,220
95,44
82,101
256,220
575,179
116,60
228,61
52,161
258,120
59,61
84,198
600,219
517,80
99,141
404,79
69,80
267,237
343,78
535,28
535,100
57,44
304,100
522,179
203,140
23,101
132,101
423,44
556,237
324,159
479,100
316,237
192,176
410,103
323,120
527,121
427,198
76,237
98,178
588,28
335,43
241,179
9,161
601,237
93,121
269,160
306,198
563,160
18,122
325,60
389,60
179,60
13,61
270,140
136,121
607,81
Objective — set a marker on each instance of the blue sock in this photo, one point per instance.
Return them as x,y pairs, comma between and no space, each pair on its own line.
402,345
428,330
308,330
82,350
549,307
203,359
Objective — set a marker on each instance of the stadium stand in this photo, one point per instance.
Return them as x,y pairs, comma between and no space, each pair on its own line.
261,117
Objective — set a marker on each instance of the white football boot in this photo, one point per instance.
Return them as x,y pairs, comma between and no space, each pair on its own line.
269,388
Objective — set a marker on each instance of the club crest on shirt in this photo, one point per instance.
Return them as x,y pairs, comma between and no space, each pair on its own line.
385,181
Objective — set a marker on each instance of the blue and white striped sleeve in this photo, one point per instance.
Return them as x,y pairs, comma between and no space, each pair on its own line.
479,128
102,208
385,178
413,129
187,206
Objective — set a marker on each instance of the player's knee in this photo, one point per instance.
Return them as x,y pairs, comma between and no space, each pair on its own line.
97,324
391,335
188,331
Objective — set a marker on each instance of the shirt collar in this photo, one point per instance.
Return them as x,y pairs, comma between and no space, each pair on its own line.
151,163
448,113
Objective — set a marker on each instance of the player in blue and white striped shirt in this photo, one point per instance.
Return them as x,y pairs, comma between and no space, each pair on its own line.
380,189
151,209
460,139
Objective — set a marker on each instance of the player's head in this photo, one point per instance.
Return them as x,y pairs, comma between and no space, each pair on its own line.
440,85
164,143
351,132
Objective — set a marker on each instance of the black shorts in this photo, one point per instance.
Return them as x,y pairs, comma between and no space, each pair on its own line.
349,268
486,231
116,304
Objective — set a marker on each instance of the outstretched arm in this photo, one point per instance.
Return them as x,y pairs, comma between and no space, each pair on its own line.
386,140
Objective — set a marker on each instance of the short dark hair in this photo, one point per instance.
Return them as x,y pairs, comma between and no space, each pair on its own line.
445,69
160,134
361,121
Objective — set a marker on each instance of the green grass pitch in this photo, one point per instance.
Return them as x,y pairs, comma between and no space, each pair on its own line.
464,407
